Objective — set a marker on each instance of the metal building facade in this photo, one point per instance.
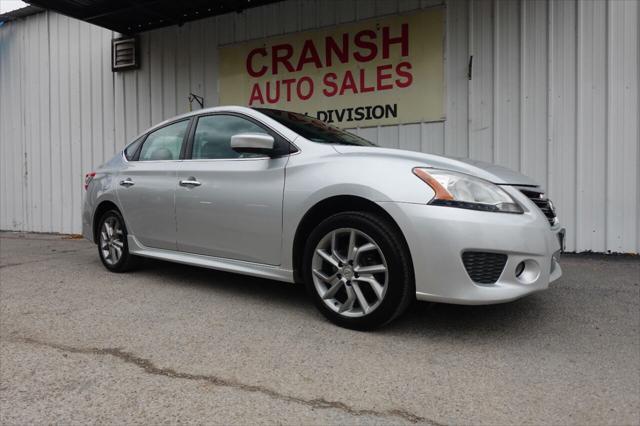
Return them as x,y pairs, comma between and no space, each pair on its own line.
553,93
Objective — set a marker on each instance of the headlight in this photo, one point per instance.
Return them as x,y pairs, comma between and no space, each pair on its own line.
467,192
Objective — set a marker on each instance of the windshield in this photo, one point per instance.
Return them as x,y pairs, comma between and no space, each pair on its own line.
313,129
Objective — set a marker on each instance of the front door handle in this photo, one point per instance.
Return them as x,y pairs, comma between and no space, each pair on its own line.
190,182
127,182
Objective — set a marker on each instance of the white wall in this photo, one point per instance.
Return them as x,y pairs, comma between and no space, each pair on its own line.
554,94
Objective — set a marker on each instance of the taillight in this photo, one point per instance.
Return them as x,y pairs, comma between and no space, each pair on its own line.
87,179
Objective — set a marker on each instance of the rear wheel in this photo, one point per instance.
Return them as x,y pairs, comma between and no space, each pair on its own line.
112,243
358,270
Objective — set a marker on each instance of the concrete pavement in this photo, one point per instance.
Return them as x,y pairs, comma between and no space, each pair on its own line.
170,343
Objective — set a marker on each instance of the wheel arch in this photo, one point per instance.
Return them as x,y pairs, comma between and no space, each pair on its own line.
328,207
102,208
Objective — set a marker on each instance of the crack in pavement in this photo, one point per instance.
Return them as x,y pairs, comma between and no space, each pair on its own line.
44,259
150,368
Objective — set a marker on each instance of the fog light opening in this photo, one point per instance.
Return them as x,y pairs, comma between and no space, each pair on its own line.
527,271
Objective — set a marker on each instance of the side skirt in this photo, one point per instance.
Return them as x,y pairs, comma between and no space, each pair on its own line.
221,264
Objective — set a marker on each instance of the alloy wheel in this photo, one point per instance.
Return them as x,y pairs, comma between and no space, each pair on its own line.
350,272
111,240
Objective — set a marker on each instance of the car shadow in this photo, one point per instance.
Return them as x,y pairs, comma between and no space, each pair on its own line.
422,319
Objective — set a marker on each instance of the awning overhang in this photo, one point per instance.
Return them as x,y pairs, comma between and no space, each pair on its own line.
136,16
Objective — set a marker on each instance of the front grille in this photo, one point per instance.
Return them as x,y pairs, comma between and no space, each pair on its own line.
543,203
484,267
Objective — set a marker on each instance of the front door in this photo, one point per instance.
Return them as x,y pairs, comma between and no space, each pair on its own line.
147,186
229,205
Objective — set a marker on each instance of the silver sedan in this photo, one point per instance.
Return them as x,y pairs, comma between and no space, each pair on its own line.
280,195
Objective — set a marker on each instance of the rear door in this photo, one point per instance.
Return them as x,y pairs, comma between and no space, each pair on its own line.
229,205
147,185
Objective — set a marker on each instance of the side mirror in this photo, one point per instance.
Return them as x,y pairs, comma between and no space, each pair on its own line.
253,143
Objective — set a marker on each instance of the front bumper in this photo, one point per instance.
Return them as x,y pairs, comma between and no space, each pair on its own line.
437,237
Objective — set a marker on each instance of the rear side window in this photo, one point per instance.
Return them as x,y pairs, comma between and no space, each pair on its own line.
212,138
164,143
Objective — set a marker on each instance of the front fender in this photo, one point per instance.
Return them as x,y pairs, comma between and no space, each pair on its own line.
312,179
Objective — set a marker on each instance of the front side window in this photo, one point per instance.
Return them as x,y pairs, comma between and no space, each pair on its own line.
212,139
164,143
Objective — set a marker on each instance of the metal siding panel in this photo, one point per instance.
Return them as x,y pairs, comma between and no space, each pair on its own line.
30,91
64,153
326,13
308,12
562,144
56,173
255,23
75,126
225,25
456,81
120,113
432,137
143,85
388,136
44,123
507,88
108,102
169,89
130,104
86,113
95,58
155,77
19,149
183,65
407,5
365,9
623,137
533,143
239,27
4,133
211,38
481,100
591,101
272,17
196,58
409,137
290,17
11,200
369,133
345,11
386,7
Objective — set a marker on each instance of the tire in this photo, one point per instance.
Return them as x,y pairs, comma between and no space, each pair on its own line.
114,251
380,297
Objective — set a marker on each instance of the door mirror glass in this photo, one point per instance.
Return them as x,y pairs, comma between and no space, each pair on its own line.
254,143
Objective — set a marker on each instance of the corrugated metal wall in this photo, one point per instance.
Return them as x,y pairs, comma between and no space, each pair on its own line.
554,93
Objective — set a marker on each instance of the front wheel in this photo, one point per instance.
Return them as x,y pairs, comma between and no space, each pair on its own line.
112,243
358,270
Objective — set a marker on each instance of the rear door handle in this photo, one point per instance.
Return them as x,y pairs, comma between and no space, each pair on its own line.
190,182
127,182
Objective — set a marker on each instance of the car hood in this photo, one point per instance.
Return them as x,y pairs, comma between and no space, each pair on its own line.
491,172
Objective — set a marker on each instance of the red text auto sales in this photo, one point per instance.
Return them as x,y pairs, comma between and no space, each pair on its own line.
353,50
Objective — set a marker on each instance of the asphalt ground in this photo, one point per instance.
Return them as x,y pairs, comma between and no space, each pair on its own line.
177,344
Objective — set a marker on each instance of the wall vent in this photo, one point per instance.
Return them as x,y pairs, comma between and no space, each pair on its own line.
124,54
